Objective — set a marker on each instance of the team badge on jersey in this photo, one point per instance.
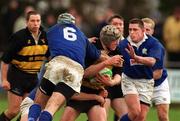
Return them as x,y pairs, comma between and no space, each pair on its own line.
144,51
43,41
29,41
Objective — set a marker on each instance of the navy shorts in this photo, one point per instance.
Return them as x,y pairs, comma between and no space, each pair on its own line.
21,82
84,106
115,92
47,87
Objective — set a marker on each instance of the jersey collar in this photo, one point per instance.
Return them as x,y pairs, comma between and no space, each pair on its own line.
139,43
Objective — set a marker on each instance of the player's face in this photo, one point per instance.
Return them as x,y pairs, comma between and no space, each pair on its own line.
118,23
136,33
148,28
34,23
112,46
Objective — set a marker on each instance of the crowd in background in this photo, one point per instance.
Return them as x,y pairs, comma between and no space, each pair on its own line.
91,16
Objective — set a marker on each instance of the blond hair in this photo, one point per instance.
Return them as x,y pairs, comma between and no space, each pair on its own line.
149,21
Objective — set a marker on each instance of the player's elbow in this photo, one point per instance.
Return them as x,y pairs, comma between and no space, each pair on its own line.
152,61
157,74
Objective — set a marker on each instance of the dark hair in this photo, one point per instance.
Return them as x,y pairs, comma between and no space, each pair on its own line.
137,21
115,16
31,13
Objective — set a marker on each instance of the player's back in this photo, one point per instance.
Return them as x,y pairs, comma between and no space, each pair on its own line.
67,40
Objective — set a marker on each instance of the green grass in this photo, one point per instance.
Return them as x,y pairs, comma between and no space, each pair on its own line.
152,116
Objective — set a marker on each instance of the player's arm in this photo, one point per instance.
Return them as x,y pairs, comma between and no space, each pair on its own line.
94,69
116,80
149,61
92,39
4,69
106,80
157,74
85,96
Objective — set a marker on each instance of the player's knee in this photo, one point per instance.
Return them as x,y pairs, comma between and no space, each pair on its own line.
136,112
141,117
163,117
12,113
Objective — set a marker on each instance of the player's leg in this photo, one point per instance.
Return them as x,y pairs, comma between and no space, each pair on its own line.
161,98
14,102
97,113
69,114
61,93
163,112
107,105
144,111
29,101
131,98
42,95
21,85
24,108
145,89
119,106
132,101
118,102
26,104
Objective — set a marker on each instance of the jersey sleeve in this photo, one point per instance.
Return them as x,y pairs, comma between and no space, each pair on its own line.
92,52
160,63
15,46
155,51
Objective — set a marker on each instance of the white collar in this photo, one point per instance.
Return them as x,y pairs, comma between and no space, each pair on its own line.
139,43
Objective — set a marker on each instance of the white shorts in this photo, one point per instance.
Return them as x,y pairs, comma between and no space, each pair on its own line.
25,105
64,69
142,87
161,94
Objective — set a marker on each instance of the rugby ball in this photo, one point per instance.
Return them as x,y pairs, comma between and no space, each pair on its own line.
105,71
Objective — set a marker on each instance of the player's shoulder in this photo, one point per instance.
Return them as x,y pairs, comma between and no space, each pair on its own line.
123,43
21,32
152,41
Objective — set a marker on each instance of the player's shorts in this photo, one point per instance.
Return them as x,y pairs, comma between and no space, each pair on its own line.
47,88
115,92
84,106
20,81
25,105
64,69
161,94
142,87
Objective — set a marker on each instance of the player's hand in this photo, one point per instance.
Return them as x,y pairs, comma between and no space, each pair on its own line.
105,79
130,51
116,60
104,93
101,100
5,85
93,39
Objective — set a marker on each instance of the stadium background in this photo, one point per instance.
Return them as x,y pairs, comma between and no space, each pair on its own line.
91,16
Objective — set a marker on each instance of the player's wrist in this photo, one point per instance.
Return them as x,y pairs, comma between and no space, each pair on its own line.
136,58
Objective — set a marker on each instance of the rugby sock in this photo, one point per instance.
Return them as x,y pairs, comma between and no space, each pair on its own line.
125,118
3,117
34,112
45,116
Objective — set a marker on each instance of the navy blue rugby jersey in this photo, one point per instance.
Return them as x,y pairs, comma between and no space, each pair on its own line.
68,40
160,65
148,48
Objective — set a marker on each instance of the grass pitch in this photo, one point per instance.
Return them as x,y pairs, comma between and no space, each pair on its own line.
152,116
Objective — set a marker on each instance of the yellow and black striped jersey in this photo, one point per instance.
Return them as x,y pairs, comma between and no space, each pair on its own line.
24,53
